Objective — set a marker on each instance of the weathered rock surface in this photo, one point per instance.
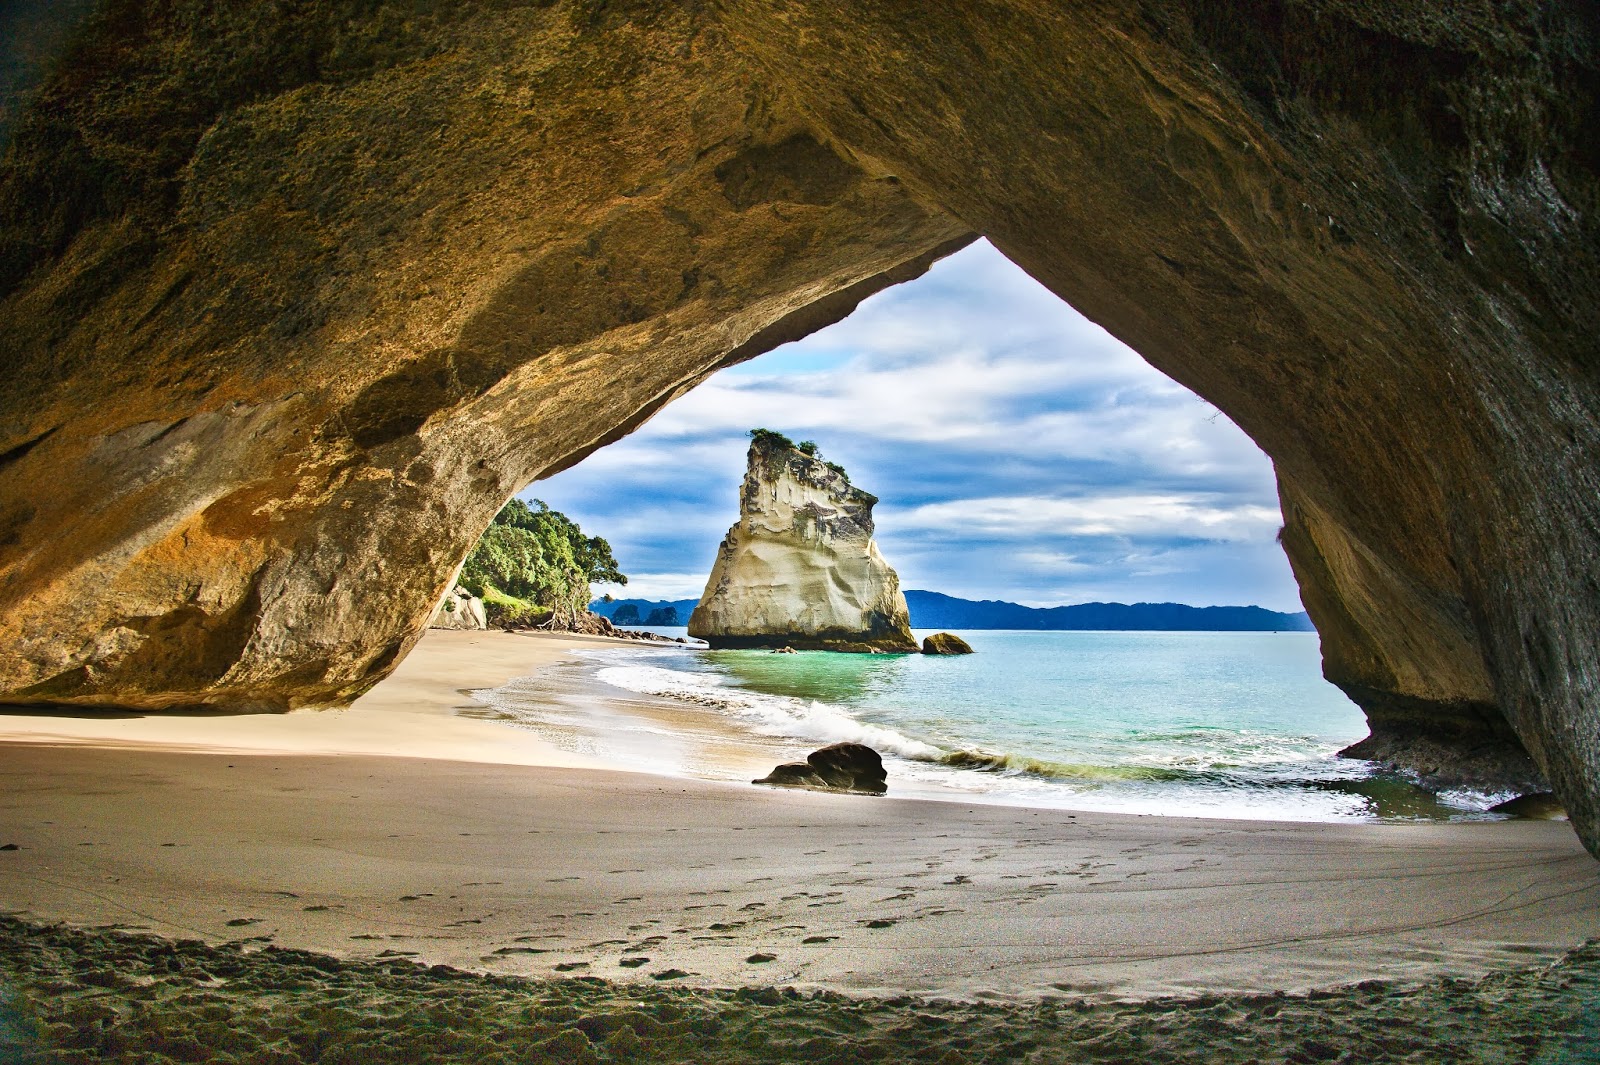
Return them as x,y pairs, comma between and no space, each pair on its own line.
459,609
837,767
292,297
945,643
799,568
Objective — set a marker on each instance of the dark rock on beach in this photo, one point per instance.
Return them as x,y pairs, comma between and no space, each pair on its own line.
945,643
836,767
1541,807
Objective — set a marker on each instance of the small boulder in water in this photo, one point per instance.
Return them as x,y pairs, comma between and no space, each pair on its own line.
945,643
836,767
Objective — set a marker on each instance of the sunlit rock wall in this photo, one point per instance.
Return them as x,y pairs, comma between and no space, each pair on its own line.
800,567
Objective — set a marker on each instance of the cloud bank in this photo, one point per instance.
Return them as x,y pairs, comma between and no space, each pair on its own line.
1020,452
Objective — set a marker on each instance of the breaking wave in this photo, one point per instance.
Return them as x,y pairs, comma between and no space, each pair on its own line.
768,715
787,717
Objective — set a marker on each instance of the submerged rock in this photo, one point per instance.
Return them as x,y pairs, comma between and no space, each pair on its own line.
459,609
836,767
800,568
945,643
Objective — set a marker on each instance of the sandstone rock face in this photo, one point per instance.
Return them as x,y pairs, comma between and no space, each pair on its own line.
800,568
459,609
292,297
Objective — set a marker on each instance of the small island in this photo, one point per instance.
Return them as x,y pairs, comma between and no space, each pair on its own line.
800,568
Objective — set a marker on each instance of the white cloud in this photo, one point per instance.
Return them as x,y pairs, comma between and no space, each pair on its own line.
981,409
657,586
1032,517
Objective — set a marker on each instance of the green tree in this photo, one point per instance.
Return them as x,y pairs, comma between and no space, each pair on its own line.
534,564
770,438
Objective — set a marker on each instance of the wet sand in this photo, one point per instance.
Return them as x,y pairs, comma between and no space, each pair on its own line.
402,831
401,825
623,875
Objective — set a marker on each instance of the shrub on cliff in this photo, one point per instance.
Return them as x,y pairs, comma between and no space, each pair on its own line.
534,566
771,438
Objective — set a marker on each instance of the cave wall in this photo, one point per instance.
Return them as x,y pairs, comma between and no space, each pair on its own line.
293,298
294,306
1363,230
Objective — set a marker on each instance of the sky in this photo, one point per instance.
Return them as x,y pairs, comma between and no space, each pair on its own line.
1018,451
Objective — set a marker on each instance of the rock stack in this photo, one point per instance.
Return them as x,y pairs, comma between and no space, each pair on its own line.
800,568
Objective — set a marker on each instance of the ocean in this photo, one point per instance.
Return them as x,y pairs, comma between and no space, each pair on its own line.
1215,724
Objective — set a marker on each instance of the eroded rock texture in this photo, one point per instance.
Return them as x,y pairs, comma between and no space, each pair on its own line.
293,296
800,567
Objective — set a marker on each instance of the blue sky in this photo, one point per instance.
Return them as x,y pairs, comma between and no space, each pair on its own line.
1018,450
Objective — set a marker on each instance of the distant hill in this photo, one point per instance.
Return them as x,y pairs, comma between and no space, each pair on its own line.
644,609
934,610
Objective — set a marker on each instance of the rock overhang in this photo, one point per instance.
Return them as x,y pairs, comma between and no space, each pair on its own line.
273,406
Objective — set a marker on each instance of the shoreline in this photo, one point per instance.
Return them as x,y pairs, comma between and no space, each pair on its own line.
401,828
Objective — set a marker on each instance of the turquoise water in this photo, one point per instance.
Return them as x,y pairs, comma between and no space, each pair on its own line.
1218,724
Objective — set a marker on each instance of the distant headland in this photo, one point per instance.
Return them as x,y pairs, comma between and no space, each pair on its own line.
934,610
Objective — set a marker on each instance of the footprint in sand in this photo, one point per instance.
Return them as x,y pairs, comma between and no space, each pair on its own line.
878,922
669,974
521,950
819,939
569,966
962,879
760,958
240,922
633,963
414,898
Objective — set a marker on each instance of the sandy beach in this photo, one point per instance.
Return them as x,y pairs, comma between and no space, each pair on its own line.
401,829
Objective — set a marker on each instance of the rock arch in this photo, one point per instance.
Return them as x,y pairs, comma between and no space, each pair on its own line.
293,299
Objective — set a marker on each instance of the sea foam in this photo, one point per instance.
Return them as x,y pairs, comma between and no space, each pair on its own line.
769,715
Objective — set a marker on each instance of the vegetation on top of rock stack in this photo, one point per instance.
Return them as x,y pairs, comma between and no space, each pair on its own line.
772,440
533,566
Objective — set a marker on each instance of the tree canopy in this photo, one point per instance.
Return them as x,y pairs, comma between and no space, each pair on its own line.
535,564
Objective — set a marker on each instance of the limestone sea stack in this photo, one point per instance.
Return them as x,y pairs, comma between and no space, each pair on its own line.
800,568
